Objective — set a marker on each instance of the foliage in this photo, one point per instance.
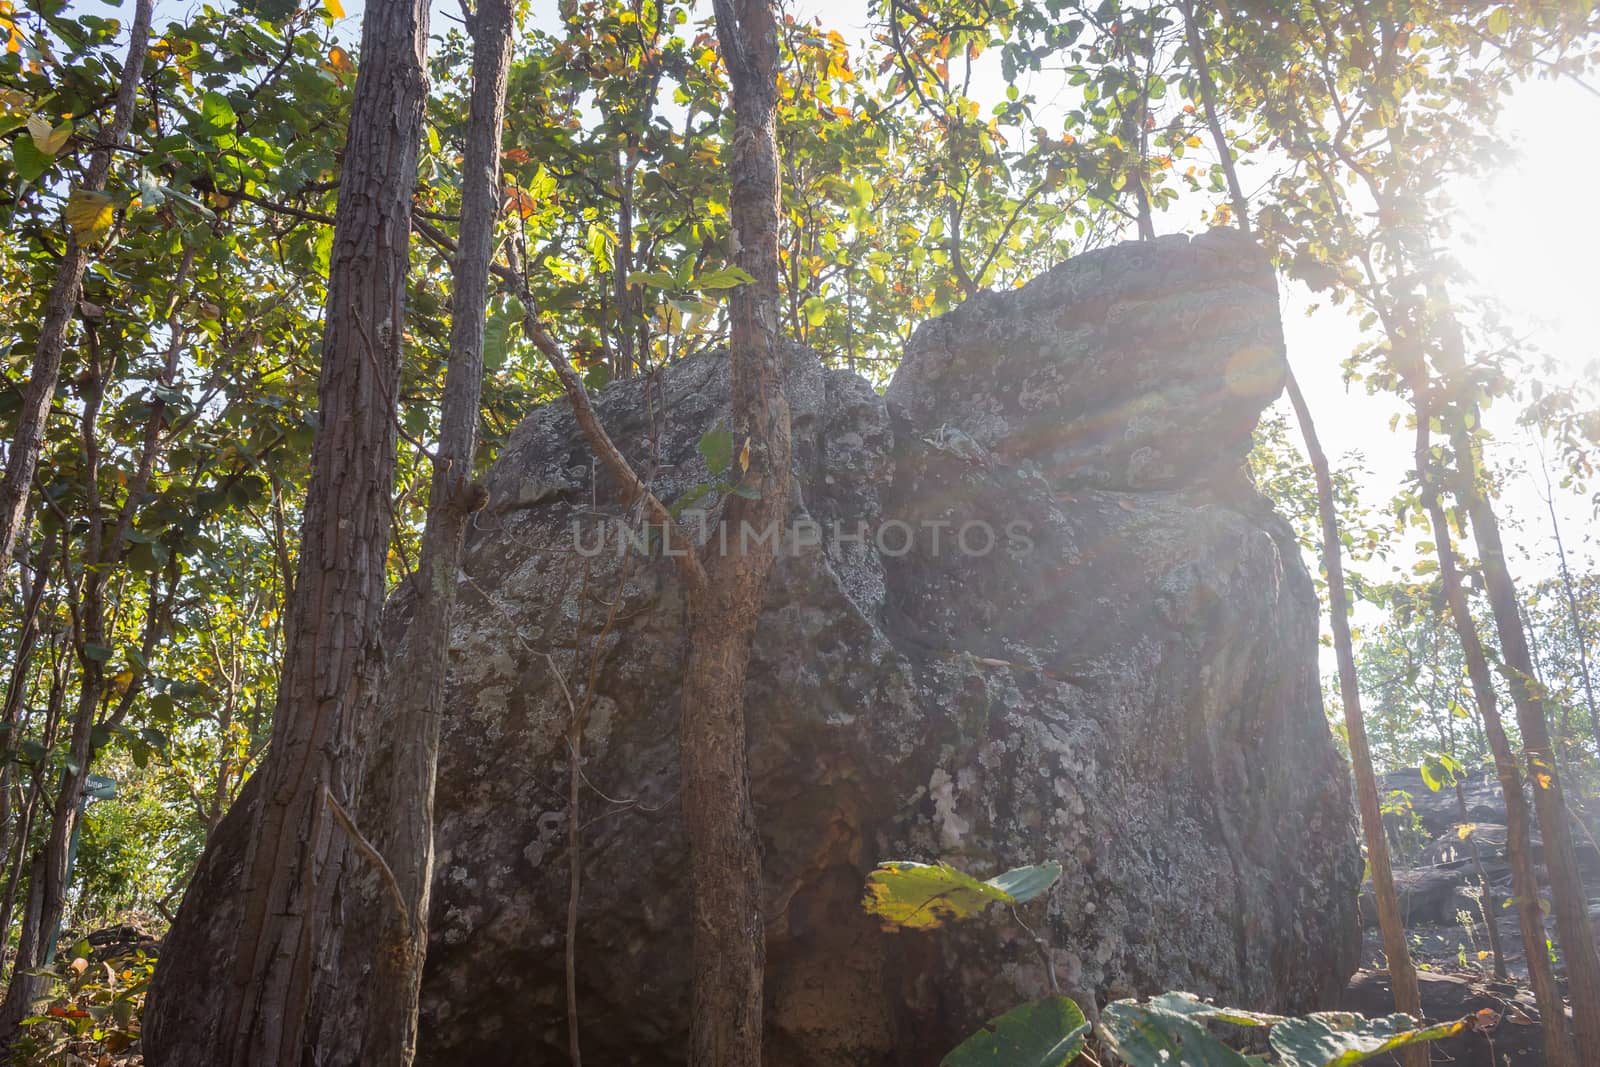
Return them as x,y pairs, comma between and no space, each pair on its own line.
92,1012
1041,1033
923,896
1166,1029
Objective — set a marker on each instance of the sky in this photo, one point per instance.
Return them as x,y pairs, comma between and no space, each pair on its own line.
1524,232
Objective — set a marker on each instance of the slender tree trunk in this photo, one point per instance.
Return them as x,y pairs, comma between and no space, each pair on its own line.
1194,38
373,986
725,861
1402,975
1558,1049
30,806
1574,616
1486,902
47,888
261,903
17,688
626,311
1569,901
63,301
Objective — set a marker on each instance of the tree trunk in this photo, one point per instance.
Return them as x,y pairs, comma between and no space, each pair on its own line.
47,883
63,302
1194,39
30,806
1568,900
1402,975
371,990
725,861
1486,902
1558,1049
1574,616
261,905
12,719
623,267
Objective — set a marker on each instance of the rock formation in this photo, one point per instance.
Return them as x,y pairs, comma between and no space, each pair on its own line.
1029,607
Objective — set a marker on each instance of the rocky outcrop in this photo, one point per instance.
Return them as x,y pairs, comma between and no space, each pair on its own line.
1028,607
1441,889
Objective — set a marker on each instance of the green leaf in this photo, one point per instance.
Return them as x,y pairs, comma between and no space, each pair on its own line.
1022,884
815,309
98,653
1191,1006
216,112
1499,21
1336,1039
496,341
691,496
922,896
27,159
162,707
1044,1033
717,447
1156,1036
726,278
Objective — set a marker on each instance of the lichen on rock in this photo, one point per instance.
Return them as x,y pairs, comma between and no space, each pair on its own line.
1038,612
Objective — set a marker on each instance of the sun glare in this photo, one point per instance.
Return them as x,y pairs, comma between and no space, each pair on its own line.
1529,232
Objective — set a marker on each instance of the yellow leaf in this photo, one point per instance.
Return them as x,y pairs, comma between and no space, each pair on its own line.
89,214
1192,142
334,8
339,61
1542,779
47,140
744,455
122,682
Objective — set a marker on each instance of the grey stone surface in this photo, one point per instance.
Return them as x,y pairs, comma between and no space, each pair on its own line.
1125,682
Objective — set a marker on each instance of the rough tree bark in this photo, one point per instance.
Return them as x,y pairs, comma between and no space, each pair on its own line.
62,302
725,862
260,905
370,990
727,587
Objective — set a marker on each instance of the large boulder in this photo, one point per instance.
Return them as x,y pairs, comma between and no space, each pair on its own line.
1029,608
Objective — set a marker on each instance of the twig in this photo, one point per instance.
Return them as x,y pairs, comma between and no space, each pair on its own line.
366,848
